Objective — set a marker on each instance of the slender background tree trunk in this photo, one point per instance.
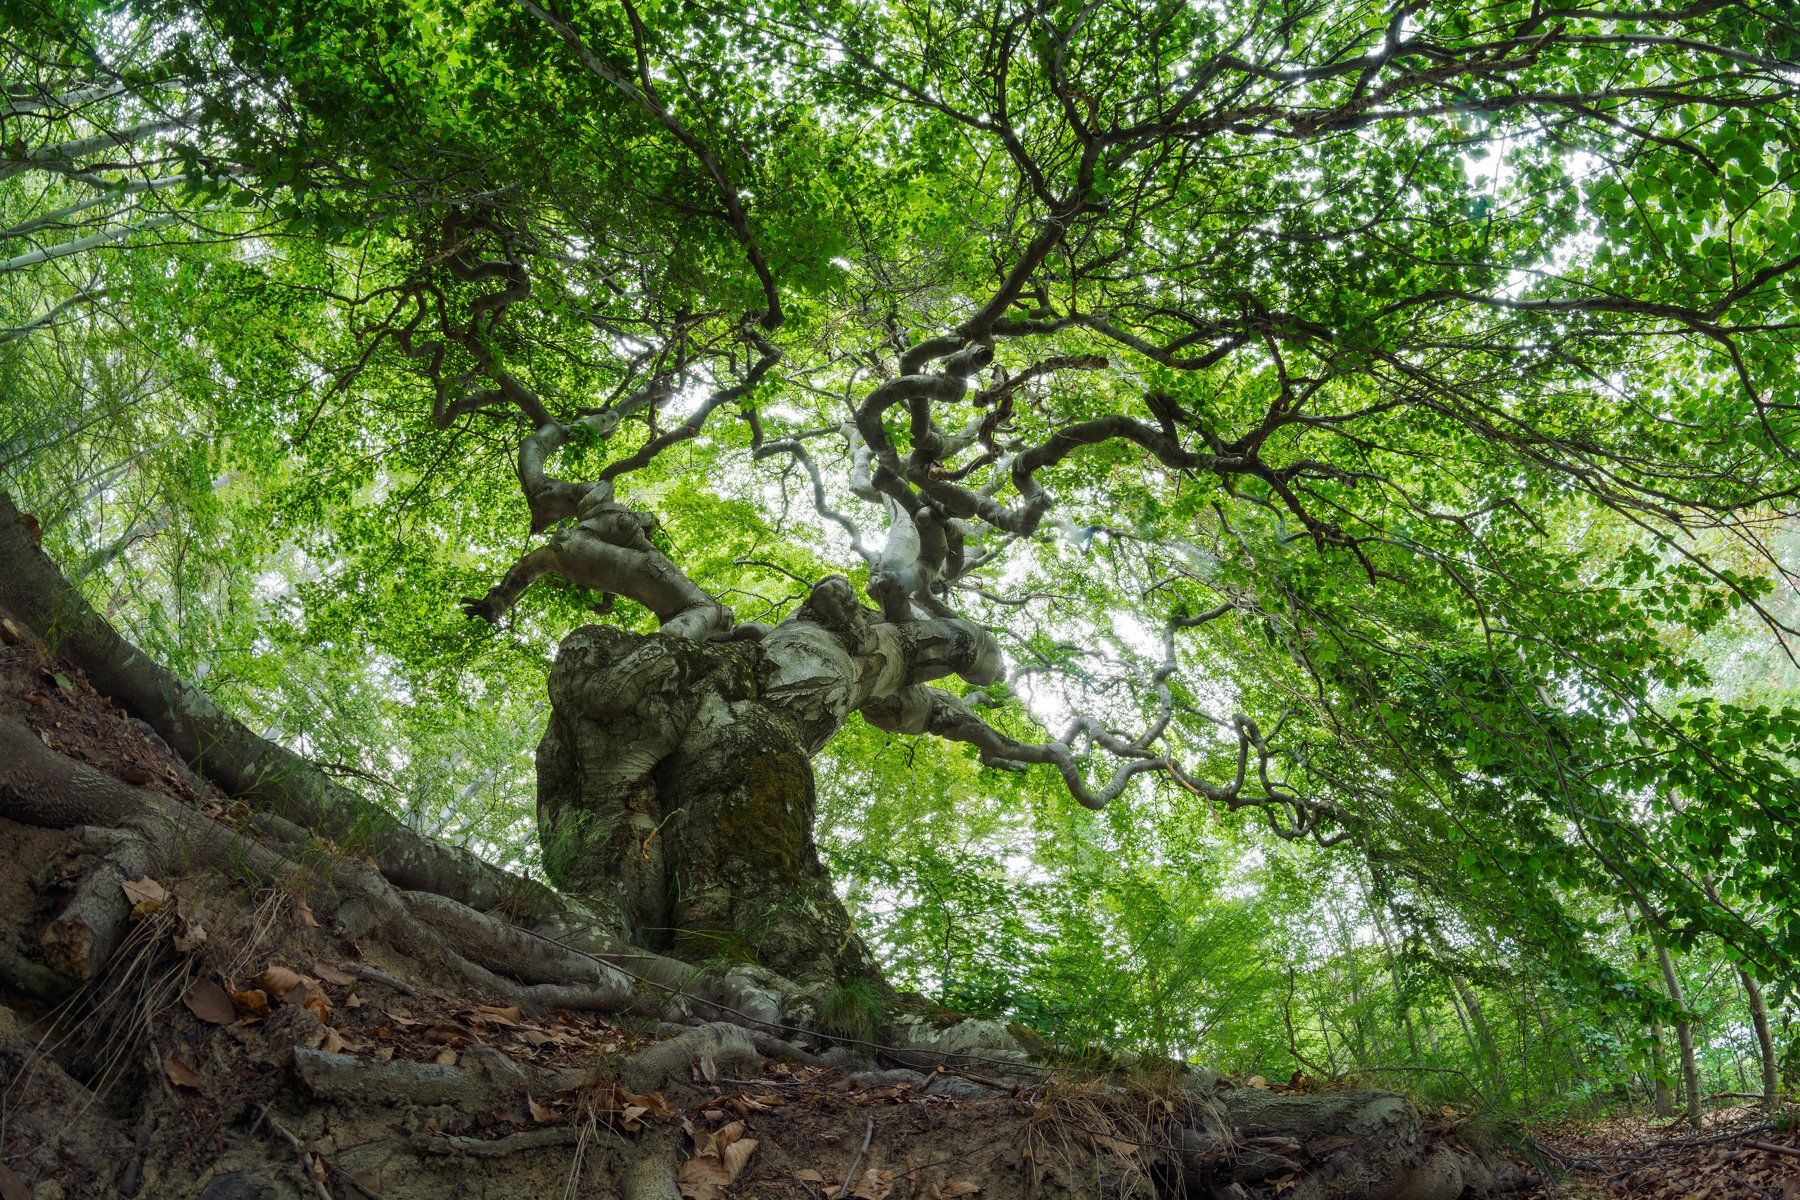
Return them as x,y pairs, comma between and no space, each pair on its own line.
1765,1041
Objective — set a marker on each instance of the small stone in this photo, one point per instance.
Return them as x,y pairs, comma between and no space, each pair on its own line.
955,1087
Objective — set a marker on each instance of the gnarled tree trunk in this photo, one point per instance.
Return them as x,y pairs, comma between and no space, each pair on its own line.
685,765
675,782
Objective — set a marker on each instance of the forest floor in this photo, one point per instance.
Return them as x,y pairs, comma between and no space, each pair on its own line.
236,1050
174,1075
1739,1155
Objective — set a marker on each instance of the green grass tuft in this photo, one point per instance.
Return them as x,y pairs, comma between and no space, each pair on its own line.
853,1010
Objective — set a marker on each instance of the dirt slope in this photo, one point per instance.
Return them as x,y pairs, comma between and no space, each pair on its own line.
1741,1154
246,1040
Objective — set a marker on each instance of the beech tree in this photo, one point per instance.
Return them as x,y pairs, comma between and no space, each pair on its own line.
1326,410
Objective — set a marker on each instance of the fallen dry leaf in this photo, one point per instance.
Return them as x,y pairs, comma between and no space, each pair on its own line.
737,1154
445,1057
958,1187
874,1185
810,1176
543,1114
703,1178
743,1106
291,987
11,1186
146,895
305,913
191,937
253,1003
334,1042
182,1075
208,1001
279,981
625,1110
715,1165
139,890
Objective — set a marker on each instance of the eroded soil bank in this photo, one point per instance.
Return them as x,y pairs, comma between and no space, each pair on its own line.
201,1000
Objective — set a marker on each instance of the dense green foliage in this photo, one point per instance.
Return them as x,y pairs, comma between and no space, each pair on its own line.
1459,346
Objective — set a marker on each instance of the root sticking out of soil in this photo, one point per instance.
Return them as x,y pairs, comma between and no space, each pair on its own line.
206,993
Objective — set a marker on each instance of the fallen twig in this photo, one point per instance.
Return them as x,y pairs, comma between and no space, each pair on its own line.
1667,1148
530,1139
386,980
850,1175
313,1176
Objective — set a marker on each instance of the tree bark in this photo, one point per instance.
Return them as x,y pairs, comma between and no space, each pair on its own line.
1684,1036
1684,1030
1480,1033
1765,1041
675,779
1662,1103
1401,1004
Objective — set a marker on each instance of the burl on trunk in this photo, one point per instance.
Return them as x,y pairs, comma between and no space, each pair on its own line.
675,780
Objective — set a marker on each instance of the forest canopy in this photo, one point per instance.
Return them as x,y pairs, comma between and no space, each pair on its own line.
1328,468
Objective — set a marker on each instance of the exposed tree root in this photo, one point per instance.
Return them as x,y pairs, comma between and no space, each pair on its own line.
727,1047
501,1147
532,959
779,1050
152,835
78,943
223,749
484,1077
1353,1147
456,924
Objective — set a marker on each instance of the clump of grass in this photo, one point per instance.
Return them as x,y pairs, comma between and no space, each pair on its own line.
854,1010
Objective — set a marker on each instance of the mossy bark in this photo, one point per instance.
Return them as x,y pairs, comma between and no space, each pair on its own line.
674,789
